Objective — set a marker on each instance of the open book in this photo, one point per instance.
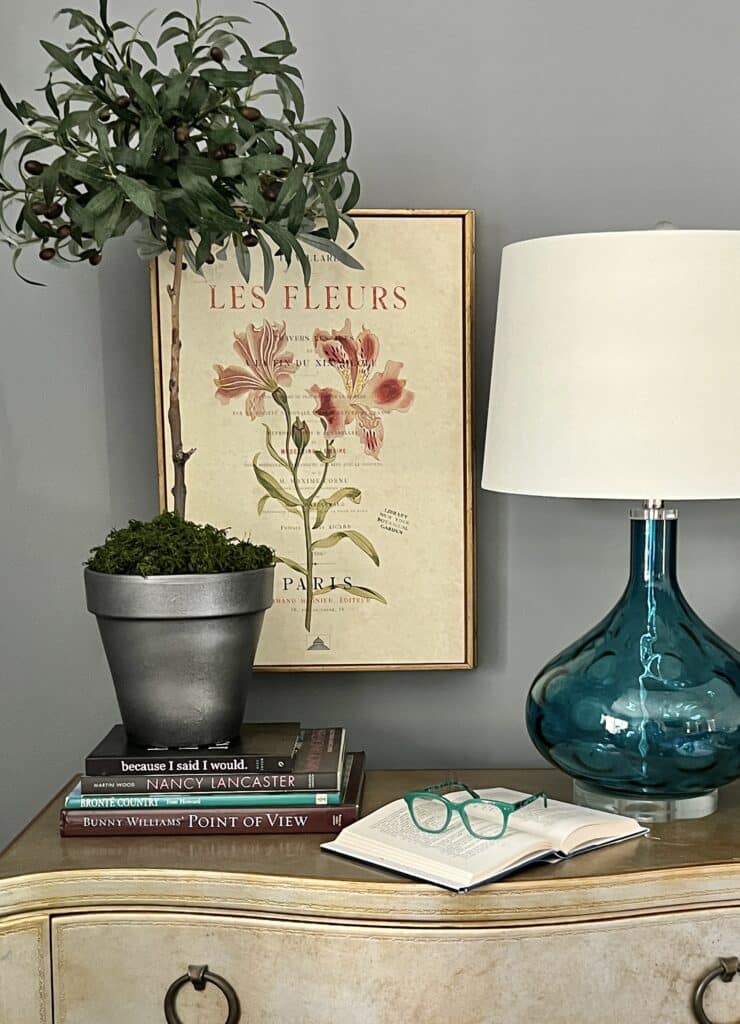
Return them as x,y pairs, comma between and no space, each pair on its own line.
457,860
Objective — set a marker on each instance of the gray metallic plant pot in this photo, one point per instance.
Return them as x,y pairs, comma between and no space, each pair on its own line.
180,650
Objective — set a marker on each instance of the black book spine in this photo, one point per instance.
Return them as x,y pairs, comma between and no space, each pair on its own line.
198,763
224,782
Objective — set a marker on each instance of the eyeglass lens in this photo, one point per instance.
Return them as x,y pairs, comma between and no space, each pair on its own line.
484,820
429,812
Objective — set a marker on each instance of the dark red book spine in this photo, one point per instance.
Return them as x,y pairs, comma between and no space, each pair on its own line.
208,822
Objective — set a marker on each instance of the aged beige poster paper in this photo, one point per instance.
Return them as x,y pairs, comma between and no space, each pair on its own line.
332,422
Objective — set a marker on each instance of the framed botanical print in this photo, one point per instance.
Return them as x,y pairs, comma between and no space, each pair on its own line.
333,422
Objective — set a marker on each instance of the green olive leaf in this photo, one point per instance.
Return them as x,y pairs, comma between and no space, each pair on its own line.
65,60
141,195
105,225
268,263
327,245
167,125
244,262
7,102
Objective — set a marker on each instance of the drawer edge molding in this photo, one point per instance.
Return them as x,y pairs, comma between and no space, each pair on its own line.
626,895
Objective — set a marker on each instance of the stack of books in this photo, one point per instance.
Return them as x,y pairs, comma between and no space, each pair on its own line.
274,778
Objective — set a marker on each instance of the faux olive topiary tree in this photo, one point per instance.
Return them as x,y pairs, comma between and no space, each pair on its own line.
212,152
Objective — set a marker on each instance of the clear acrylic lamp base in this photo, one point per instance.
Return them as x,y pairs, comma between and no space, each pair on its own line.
644,808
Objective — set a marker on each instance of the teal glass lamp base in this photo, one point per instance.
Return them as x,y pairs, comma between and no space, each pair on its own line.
645,808
643,712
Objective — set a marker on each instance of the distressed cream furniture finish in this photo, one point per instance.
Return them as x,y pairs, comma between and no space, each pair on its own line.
25,981
624,933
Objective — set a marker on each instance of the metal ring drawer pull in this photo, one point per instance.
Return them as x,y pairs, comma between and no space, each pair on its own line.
729,966
199,976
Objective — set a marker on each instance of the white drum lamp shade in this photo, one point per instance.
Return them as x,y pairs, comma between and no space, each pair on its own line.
616,370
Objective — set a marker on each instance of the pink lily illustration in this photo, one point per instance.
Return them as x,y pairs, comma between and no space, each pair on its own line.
366,394
268,367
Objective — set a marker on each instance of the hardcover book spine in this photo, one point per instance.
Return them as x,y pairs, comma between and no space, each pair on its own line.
198,764
322,820
135,801
235,782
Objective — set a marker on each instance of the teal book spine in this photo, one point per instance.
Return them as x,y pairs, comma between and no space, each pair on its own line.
81,801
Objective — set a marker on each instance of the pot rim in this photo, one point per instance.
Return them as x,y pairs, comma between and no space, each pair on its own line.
175,577
187,596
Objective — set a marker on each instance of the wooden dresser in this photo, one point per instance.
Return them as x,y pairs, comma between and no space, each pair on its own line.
95,931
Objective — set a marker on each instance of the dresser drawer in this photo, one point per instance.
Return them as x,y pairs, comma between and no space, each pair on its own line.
25,978
116,968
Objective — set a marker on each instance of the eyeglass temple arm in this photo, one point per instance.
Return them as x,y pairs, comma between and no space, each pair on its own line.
446,785
531,799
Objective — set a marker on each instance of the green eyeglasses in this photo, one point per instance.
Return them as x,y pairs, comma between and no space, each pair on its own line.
483,818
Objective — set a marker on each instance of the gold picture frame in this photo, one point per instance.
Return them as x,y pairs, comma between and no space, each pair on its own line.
433,253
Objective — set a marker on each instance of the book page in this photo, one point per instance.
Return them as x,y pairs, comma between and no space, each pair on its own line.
453,854
568,828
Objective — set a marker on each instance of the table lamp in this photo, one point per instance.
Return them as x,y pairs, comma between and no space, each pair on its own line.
616,374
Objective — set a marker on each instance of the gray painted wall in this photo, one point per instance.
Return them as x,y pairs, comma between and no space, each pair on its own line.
545,117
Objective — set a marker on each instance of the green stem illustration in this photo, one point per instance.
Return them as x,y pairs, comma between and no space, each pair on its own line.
263,348
297,438
309,564
306,505
285,406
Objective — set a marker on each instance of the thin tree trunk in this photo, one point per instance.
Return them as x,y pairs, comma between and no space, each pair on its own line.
174,416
